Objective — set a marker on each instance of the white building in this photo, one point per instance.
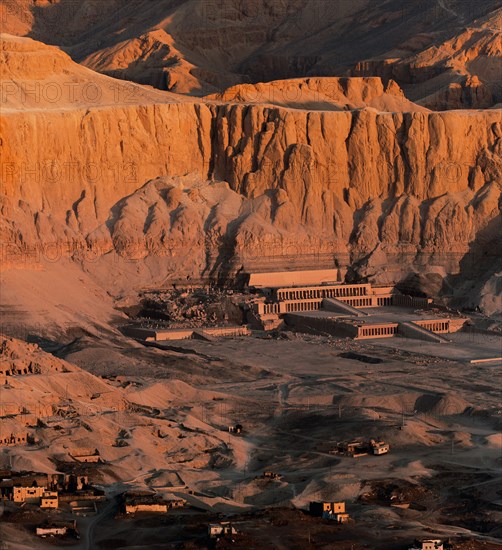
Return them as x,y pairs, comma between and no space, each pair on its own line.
428,544
51,531
221,529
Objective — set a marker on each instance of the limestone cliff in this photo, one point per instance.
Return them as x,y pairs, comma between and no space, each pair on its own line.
385,192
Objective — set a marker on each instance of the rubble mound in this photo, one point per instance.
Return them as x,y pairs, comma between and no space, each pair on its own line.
191,308
390,492
434,404
441,405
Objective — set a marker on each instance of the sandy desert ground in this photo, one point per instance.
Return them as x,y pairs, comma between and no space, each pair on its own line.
296,397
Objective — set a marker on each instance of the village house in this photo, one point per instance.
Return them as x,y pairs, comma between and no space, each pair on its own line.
10,479
357,449
46,490
353,449
31,495
6,489
268,474
86,455
56,529
174,501
83,508
379,447
237,429
90,494
21,438
49,500
222,529
67,482
330,510
36,495
147,502
428,544
51,531
32,479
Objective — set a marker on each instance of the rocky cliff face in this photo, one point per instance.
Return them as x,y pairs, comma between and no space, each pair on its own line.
204,46
462,71
384,192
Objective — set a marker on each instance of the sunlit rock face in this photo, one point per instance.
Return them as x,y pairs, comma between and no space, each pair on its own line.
304,172
444,54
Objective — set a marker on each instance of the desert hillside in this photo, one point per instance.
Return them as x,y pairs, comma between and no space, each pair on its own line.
445,53
64,410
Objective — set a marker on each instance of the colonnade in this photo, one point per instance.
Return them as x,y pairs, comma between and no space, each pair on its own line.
435,326
303,306
372,332
305,293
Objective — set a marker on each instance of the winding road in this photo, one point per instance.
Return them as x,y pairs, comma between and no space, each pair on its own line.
442,3
88,526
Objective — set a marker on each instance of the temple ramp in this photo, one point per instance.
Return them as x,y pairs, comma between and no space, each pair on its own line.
337,306
203,335
412,330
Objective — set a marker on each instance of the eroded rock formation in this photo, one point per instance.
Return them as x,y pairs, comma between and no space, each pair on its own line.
243,186
205,46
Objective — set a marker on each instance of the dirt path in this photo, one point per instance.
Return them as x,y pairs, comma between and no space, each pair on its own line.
89,527
442,3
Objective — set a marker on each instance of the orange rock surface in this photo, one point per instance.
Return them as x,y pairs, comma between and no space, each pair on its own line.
205,46
386,192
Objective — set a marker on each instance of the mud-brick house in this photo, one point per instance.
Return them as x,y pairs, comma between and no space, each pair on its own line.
49,500
428,544
56,529
330,510
51,531
222,529
86,455
137,502
36,495
31,495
